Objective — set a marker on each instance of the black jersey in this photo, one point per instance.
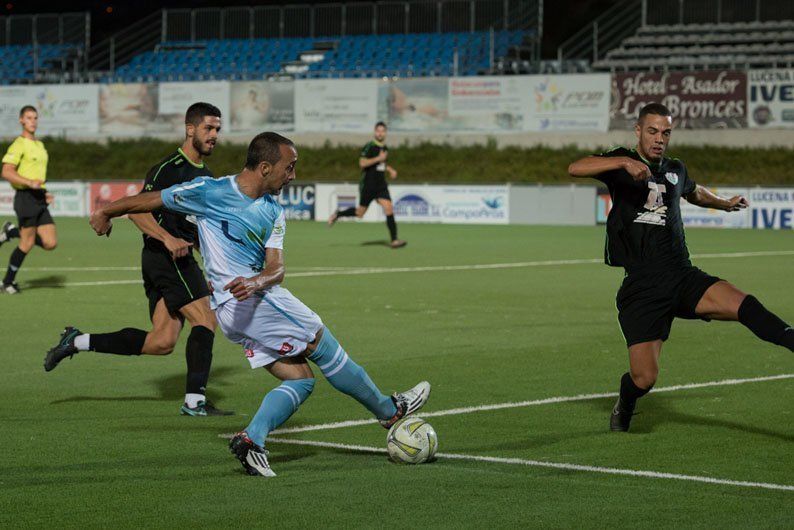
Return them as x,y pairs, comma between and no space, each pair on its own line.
176,168
374,174
644,227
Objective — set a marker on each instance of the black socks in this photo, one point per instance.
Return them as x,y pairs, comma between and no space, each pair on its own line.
128,341
765,324
629,392
347,212
14,263
199,359
392,226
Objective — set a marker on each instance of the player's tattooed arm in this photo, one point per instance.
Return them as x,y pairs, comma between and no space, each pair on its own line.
704,198
141,203
273,274
591,166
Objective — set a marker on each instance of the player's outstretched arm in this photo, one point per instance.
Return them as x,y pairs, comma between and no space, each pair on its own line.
273,274
141,203
704,198
591,166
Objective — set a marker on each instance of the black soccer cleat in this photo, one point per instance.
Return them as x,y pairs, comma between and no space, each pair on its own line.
10,288
251,456
620,419
204,408
65,348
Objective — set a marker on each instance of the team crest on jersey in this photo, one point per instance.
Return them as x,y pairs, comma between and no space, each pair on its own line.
672,178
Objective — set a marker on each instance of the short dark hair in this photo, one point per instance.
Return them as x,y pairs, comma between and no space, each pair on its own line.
657,109
26,108
381,124
196,112
265,147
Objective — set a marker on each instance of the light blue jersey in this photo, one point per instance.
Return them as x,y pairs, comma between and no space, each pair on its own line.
234,229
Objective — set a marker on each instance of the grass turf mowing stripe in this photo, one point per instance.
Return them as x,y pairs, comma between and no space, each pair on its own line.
439,268
532,403
553,465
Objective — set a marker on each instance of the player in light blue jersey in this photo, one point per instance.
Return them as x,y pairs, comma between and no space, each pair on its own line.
241,230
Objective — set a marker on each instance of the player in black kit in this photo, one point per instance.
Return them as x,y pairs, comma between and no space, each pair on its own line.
645,235
373,187
172,279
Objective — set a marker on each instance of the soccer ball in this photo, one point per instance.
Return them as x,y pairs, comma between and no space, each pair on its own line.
411,441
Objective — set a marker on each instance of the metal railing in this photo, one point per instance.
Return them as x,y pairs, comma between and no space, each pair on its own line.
330,20
657,12
605,32
104,57
70,30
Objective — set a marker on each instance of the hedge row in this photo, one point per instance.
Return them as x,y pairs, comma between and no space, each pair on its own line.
418,163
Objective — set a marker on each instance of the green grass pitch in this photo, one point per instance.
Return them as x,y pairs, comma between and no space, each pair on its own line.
98,442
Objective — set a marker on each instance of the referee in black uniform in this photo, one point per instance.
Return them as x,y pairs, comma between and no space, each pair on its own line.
645,236
372,186
173,281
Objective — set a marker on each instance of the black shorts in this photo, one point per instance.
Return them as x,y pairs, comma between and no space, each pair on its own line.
369,191
648,302
178,282
31,208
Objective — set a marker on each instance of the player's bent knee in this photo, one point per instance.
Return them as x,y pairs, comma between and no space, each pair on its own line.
158,345
49,245
644,378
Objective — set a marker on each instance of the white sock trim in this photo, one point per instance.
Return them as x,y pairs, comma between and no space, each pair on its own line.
192,400
82,342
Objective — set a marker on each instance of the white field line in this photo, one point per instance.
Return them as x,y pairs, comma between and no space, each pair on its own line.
532,403
442,268
553,465
137,268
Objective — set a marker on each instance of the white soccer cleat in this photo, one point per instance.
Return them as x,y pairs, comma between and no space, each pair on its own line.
257,461
408,402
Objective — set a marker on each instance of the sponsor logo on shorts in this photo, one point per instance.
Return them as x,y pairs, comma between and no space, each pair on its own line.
249,352
286,348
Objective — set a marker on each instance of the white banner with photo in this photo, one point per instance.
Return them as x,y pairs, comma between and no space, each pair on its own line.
70,199
327,105
262,105
578,102
66,110
695,216
488,103
175,98
770,98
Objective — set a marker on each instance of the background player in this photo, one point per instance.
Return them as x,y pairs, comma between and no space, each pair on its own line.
645,235
241,227
173,281
25,167
373,184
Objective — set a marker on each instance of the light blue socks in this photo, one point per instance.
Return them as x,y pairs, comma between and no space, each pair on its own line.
349,378
279,404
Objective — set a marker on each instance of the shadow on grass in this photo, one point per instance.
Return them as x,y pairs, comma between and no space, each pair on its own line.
169,388
653,410
54,281
378,243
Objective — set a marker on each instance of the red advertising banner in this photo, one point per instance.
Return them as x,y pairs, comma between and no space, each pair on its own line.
103,193
714,99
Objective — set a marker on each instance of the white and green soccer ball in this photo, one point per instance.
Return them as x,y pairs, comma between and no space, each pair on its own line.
411,441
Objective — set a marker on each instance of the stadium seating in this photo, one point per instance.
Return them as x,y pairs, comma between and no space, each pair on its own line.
688,46
17,62
421,54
